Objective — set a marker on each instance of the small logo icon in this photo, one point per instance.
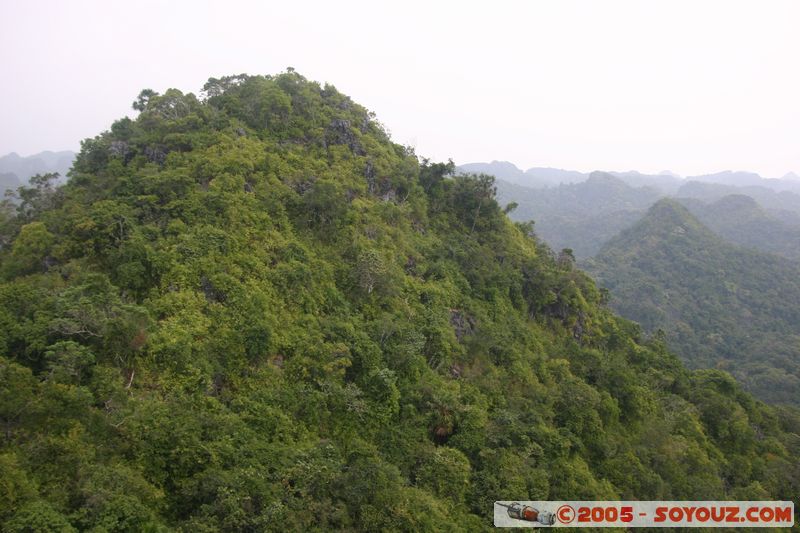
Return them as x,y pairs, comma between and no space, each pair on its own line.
565,514
517,511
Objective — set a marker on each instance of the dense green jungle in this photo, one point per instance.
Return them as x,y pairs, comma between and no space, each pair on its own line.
250,310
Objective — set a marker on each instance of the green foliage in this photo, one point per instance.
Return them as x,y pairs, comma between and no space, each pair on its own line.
29,252
254,312
38,517
724,307
445,472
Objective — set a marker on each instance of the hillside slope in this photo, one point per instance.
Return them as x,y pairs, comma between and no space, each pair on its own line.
254,312
721,305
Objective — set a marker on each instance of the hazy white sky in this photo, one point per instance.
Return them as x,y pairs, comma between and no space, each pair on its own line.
692,86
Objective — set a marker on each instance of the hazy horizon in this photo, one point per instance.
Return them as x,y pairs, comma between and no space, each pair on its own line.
693,88
665,172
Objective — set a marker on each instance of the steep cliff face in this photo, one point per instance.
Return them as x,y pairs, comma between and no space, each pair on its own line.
253,311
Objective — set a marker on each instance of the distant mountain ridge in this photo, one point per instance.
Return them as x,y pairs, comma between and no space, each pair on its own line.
545,177
766,197
16,169
533,177
667,181
8,180
791,176
581,216
584,215
748,179
741,220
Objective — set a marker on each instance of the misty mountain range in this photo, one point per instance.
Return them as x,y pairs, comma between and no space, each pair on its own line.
666,181
16,170
743,208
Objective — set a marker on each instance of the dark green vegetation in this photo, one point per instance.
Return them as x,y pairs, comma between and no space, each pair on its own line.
723,306
254,312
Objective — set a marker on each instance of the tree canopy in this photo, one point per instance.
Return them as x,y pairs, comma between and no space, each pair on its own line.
721,305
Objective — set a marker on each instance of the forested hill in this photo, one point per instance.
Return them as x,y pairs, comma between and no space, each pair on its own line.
252,311
721,305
